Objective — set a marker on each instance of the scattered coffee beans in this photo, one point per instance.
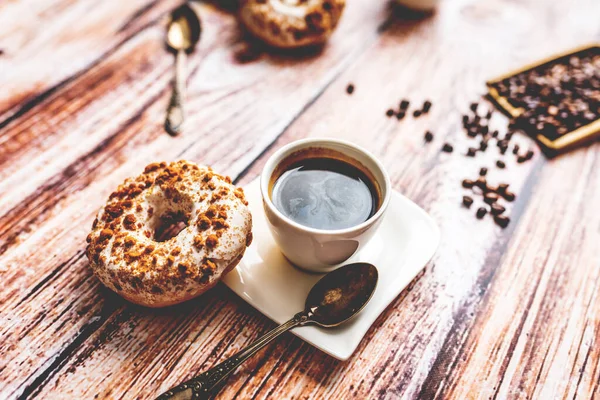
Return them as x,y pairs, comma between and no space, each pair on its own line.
481,212
490,198
501,220
502,188
467,201
529,155
426,106
508,196
497,209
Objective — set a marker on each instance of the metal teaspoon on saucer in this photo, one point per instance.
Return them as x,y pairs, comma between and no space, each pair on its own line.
333,300
183,33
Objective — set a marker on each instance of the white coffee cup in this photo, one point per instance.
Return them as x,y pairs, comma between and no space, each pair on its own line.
322,250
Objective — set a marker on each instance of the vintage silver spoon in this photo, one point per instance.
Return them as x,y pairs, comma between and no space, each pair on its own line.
183,33
333,300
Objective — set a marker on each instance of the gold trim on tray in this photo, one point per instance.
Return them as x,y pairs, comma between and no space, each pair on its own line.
580,135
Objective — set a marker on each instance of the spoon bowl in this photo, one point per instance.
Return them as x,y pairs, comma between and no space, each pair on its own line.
341,294
183,32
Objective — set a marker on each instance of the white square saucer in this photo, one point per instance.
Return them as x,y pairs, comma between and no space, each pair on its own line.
404,242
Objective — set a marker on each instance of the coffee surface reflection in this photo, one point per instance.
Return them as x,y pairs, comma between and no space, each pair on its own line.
325,193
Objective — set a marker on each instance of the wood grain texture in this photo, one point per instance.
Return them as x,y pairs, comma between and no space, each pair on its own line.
511,313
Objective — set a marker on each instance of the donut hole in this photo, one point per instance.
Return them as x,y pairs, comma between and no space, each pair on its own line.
169,225
170,216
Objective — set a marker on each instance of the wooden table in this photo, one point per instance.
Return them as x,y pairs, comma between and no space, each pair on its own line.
498,313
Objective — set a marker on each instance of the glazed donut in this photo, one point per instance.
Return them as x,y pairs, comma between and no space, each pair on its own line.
130,252
291,23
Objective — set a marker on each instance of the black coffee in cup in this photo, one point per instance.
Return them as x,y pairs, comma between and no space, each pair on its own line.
324,189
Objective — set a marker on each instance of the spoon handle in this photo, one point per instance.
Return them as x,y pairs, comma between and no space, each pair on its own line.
200,386
175,114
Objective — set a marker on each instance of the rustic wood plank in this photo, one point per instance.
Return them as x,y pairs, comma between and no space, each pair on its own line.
508,313
537,323
46,43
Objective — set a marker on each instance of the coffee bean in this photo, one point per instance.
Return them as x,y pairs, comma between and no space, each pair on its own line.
350,88
485,130
400,115
426,106
483,145
471,152
495,134
500,164
529,155
447,148
508,196
490,198
417,113
467,201
481,182
502,187
493,189
467,183
404,104
502,220
481,212
497,209
483,171
428,136
488,115
473,107
472,132
389,112
465,120
516,149
521,159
